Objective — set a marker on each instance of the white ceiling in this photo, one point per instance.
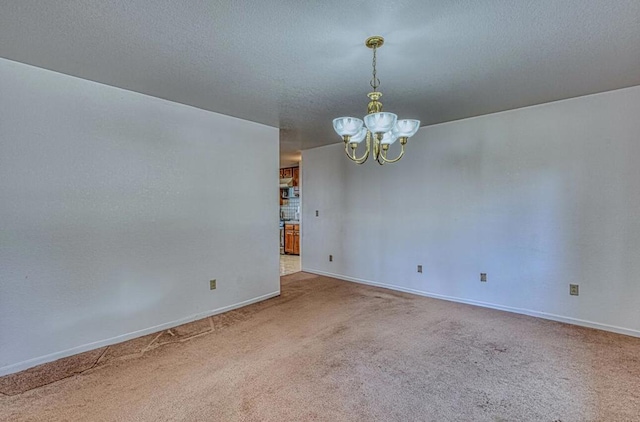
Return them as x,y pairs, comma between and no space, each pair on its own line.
298,64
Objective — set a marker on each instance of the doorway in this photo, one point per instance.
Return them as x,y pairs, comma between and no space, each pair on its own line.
290,203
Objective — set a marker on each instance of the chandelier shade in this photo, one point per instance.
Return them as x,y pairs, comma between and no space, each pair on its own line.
380,122
360,136
388,138
406,128
379,129
347,126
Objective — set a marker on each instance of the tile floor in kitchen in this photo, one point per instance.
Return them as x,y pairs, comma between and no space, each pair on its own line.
289,264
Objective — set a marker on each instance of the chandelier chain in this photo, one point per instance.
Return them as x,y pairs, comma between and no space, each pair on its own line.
375,82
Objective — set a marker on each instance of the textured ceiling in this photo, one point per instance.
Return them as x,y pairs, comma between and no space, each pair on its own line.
298,64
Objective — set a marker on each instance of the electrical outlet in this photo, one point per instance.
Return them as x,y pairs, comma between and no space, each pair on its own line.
317,213
574,289
419,268
483,277
212,284
330,258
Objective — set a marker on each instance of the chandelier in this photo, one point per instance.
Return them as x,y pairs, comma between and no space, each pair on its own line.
379,129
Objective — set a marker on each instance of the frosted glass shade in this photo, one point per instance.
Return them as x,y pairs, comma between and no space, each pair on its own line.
380,122
359,137
406,128
388,138
347,126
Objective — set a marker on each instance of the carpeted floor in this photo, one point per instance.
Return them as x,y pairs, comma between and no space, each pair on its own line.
330,350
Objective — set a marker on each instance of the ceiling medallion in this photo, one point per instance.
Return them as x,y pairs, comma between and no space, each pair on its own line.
379,129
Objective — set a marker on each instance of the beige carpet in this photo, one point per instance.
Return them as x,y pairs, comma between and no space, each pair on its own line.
328,350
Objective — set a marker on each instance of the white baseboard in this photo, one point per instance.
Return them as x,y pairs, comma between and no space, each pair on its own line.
21,366
538,314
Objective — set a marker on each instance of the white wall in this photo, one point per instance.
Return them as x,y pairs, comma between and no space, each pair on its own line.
117,208
537,198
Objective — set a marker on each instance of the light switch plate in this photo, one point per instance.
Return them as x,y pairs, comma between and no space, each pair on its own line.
574,289
212,284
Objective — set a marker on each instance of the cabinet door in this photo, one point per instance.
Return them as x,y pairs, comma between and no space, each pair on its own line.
296,176
281,173
296,243
288,172
288,241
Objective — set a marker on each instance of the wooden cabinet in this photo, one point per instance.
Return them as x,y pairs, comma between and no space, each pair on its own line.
288,238
296,176
296,240
291,173
292,239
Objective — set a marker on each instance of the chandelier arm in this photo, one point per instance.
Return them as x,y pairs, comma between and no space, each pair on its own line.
346,151
362,160
365,156
352,156
383,154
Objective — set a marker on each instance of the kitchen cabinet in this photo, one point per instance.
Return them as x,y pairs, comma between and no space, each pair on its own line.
296,176
292,239
291,173
288,238
296,240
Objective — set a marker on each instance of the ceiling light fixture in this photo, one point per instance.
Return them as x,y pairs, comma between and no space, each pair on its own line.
379,128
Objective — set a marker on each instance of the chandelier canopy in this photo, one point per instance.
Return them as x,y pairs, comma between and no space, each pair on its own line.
379,129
